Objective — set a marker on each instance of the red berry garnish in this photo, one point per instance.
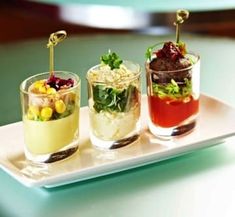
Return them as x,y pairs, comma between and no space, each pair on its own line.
170,50
59,83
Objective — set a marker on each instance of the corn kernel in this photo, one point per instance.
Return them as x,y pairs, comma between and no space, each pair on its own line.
42,89
51,90
34,110
33,113
60,106
46,113
38,84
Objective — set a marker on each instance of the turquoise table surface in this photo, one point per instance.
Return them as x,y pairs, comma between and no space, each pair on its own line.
153,5
200,184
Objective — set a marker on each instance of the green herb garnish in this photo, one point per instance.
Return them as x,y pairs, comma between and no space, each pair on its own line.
110,99
173,90
192,59
111,59
182,47
149,51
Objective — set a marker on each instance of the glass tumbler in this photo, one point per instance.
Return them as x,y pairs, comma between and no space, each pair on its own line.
50,120
173,99
114,109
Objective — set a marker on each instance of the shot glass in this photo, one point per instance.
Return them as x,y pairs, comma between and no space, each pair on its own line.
114,108
50,119
173,99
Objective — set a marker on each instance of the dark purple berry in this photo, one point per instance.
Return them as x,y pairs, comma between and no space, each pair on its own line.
59,83
169,50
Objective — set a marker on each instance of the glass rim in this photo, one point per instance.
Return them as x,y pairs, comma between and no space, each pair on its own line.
120,82
78,80
178,70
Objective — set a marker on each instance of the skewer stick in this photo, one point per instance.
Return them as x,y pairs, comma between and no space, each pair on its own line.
54,39
181,16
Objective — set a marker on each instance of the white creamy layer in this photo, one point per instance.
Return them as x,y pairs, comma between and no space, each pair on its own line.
115,125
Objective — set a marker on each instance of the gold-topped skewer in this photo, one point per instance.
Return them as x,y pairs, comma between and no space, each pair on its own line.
54,39
181,16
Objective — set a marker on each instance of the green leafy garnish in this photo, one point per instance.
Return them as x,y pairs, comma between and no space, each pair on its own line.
149,51
111,59
193,59
173,90
182,47
110,99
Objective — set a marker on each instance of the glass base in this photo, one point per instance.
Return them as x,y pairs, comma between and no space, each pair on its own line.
168,133
108,145
53,157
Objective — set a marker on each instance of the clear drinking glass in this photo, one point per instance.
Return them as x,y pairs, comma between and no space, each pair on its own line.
173,99
51,120
114,109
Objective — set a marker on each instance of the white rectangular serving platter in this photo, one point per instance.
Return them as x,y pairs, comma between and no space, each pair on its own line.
216,122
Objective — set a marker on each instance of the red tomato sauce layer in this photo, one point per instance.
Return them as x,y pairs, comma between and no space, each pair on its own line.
168,113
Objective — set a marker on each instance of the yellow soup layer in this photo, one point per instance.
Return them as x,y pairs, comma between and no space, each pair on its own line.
45,137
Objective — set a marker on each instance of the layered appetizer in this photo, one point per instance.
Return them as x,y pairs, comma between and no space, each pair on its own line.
50,103
173,86
114,102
